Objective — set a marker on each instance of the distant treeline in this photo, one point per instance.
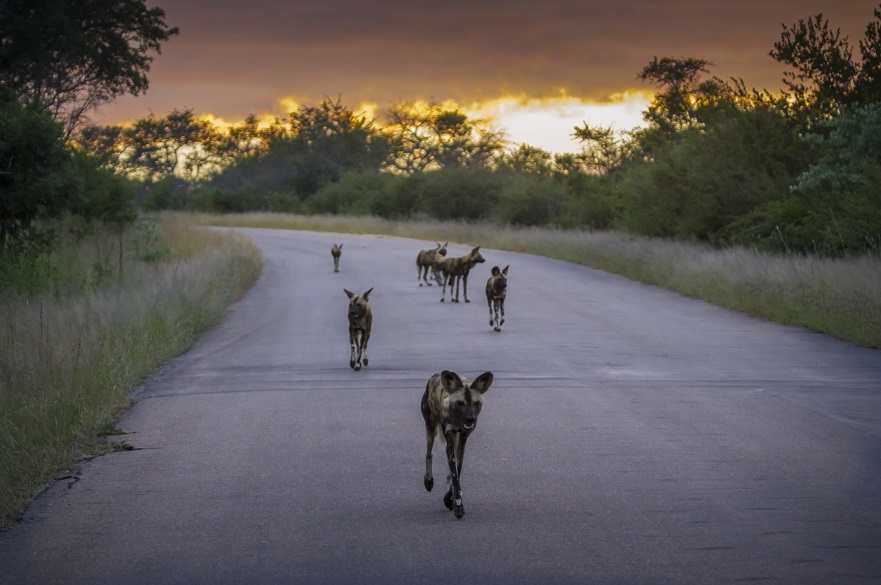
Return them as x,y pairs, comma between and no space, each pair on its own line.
795,171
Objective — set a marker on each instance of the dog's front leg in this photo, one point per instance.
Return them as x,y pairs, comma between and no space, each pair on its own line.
465,287
354,348
453,497
365,337
428,480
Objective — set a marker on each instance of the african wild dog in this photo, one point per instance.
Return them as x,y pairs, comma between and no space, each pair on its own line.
496,289
428,260
336,251
456,270
360,321
451,404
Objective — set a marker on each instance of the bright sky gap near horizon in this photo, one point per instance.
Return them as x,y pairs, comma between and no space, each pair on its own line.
537,70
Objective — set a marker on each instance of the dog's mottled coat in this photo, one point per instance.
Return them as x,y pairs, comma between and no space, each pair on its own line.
336,251
430,260
360,324
451,405
496,291
455,270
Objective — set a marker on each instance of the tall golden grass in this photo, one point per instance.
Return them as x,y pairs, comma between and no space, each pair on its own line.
838,297
69,362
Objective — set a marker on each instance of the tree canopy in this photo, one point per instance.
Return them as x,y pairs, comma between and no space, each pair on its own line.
72,57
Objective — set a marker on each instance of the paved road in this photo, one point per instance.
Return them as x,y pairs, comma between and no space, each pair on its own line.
631,436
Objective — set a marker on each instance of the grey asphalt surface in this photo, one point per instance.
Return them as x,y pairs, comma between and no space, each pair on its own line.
631,436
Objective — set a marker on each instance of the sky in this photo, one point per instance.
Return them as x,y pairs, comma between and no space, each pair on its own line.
536,68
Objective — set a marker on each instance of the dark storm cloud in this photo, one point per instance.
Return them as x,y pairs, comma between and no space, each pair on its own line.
233,56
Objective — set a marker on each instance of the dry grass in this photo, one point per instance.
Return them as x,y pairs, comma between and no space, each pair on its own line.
838,297
69,362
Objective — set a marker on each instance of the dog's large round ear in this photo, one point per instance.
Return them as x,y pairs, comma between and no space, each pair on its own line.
349,293
451,381
366,295
482,382
505,271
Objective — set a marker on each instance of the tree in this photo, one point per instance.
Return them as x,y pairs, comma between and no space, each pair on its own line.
833,208
410,133
72,57
602,149
849,148
826,76
431,136
868,82
328,140
34,165
249,138
465,143
104,143
681,92
104,196
823,63
177,145
529,160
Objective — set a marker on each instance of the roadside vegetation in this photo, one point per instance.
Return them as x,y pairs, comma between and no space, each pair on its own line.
789,171
836,296
84,324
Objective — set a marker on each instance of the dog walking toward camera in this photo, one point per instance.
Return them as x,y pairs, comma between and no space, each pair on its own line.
496,289
336,251
455,270
430,260
360,322
451,405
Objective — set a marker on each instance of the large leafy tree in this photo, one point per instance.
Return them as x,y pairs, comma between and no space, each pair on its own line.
682,93
295,157
327,140
176,145
433,135
73,56
825,74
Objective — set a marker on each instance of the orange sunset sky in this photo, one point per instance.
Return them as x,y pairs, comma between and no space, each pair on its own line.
537,68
